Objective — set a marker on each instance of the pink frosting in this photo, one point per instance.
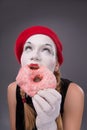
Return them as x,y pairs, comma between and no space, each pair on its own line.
26,76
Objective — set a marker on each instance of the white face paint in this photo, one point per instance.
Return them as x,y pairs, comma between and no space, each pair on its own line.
39,49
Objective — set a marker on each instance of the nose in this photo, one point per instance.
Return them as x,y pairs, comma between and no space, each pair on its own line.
35,56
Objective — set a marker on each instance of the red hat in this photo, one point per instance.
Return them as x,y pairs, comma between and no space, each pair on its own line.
37,30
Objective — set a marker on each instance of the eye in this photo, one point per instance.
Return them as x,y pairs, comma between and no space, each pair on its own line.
28,48
47,50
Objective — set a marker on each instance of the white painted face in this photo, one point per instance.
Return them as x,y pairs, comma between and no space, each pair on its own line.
39,49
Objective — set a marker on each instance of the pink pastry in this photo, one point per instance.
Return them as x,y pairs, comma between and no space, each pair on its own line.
34,78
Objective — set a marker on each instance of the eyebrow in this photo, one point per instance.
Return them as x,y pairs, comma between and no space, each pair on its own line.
28,42
48,45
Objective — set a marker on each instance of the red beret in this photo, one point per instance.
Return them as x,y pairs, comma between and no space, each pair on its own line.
37,30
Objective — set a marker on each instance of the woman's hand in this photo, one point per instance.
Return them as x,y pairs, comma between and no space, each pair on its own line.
47,105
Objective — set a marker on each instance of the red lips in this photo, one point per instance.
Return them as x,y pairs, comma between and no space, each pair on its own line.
34,66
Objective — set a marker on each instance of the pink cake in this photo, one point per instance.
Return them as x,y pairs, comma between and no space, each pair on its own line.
32,79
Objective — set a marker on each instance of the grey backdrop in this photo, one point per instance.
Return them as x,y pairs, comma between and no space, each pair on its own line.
68,19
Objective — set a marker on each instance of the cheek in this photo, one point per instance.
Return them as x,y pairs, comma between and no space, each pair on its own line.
51,63
25,59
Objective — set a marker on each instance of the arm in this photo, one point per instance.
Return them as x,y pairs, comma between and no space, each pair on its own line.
11,95
73,108
47,105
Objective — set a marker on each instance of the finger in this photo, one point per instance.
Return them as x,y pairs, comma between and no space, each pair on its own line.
36,106
54,92
41,104
50,95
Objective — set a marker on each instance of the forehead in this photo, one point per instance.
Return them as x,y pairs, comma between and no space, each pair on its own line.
41,39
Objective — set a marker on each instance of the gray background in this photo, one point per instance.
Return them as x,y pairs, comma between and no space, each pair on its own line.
68,19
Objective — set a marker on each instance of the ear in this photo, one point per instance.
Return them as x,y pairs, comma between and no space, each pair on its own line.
56,67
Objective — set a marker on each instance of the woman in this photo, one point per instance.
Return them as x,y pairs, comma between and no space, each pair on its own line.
46,110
